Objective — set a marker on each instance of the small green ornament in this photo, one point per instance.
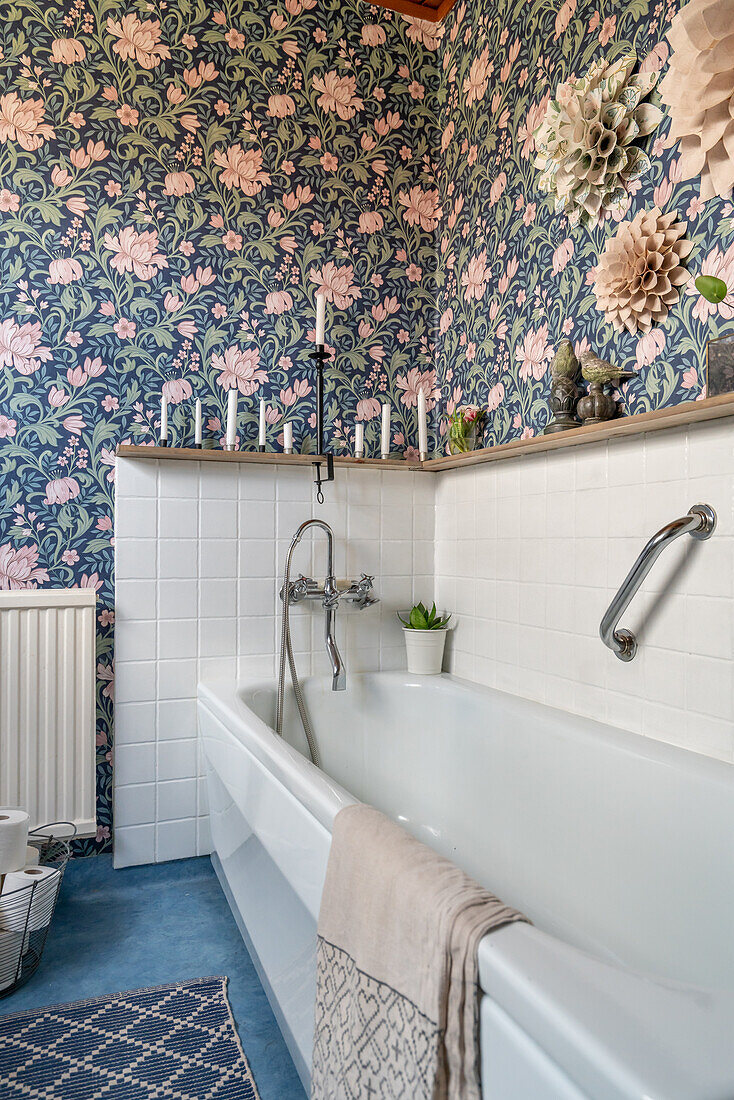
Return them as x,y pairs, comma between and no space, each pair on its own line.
565,364
712,289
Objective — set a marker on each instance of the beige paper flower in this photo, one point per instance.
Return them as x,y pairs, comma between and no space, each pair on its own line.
639,272
586,154
699,89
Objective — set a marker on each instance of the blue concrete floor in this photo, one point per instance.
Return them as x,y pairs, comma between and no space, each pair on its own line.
145,926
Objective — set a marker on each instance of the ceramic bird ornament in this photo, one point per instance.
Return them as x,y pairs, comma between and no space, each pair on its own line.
594,369
565,364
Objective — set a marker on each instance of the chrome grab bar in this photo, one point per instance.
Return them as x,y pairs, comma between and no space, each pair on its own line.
699,523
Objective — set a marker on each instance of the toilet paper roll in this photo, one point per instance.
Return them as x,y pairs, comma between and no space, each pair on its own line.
9,957
23,909
13,839
32,856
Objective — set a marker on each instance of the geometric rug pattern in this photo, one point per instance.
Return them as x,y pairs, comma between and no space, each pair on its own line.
173,1042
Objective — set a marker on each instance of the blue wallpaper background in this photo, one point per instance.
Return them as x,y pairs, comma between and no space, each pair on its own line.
176,182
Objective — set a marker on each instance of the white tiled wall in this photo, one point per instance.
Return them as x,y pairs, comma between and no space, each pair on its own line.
200,548
530,551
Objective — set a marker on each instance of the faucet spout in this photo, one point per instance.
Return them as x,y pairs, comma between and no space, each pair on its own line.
338,672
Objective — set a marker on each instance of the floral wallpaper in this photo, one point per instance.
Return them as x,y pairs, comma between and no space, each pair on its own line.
177,180
513,276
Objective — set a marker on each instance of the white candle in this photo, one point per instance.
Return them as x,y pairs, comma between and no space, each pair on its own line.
385,441
359,439
261,433
231,417
320,318
288,437
197,423
422,424
164,419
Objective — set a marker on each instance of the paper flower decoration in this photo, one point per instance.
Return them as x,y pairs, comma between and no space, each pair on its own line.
699,89
639,272
585,149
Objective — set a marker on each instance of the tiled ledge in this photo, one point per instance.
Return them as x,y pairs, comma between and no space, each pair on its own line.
711,408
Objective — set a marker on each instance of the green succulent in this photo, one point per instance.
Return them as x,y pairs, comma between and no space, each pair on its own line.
421,618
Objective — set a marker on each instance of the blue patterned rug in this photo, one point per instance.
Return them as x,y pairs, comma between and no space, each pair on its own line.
174,1042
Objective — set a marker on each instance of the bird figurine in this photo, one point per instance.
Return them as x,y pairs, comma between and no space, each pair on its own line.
594,369
564,363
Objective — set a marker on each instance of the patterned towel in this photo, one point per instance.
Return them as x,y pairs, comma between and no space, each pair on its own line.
397,997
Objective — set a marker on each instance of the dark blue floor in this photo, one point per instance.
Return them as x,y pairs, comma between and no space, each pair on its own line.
143,926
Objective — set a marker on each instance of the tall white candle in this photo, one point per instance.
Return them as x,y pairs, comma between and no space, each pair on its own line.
320,318
422,424
231,417
197,422
288,437
359,439
261,432
164,419
385,440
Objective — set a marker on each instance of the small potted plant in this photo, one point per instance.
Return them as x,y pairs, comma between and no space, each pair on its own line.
465,427
425,637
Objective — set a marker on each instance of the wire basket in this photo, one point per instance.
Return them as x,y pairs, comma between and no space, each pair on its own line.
26,910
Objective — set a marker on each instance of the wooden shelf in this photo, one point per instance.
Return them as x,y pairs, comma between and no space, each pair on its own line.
267,458
711,408
677,416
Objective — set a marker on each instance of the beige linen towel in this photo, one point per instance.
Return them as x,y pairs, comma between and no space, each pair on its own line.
397,997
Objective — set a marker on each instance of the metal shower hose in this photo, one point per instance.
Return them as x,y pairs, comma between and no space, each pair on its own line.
287,649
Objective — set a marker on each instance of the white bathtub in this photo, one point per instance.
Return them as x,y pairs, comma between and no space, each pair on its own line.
619,849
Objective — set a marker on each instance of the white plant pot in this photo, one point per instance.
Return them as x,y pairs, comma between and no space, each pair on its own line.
425,650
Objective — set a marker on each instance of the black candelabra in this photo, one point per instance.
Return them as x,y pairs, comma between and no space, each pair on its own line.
320,356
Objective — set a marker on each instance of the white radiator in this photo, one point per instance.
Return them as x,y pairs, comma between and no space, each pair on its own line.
47,704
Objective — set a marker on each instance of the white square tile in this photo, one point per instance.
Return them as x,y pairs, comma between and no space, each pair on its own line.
218,558
134,681
217,598
134,600
136,478
134,724
135,517
218,637
256,519
256,558
134,805
176,720
178,519
257,598
135,641
203,837
134,764
218,519
135,558
175,840
176,760
220,480
177,638
177,798
178,559
177,599
179,480
134,845
257,482
177,679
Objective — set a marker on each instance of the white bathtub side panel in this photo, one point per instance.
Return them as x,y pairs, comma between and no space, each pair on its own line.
513,1066
296,842
279,931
